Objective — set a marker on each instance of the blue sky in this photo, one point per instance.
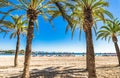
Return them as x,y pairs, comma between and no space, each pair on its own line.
49,39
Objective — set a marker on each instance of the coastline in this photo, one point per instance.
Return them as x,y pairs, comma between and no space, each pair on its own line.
34,54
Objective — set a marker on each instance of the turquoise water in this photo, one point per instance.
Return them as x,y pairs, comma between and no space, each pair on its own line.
10,54
62,54
71,54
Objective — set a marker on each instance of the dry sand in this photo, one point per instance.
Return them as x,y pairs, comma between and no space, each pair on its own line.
59,67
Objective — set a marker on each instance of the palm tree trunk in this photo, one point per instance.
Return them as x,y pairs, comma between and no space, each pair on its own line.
17,51
28,49
117,51
90,57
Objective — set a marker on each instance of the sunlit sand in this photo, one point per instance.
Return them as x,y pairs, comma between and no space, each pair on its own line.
59,67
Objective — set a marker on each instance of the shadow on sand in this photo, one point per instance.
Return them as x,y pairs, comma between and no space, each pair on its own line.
112,66
61,72
55,72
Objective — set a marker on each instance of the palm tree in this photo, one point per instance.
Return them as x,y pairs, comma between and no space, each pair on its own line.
34,8
84,15
17,27
110,31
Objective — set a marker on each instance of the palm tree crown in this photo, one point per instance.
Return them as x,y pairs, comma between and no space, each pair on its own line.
34,8
18,25
110,31
92,10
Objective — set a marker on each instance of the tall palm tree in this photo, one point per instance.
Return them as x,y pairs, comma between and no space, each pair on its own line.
85,14
34,8
110,31
17,27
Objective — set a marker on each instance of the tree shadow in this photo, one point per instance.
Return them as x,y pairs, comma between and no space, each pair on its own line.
102,67
61,72
6,67
56,72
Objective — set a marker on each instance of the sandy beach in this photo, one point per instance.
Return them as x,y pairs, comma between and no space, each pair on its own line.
59,67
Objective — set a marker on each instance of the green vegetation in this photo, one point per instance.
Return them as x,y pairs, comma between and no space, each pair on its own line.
13,51
110,31
9,51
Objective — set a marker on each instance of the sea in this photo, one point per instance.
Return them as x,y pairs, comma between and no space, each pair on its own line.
3,54
71,54
60,54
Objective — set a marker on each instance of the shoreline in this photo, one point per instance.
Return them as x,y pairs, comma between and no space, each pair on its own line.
62,54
